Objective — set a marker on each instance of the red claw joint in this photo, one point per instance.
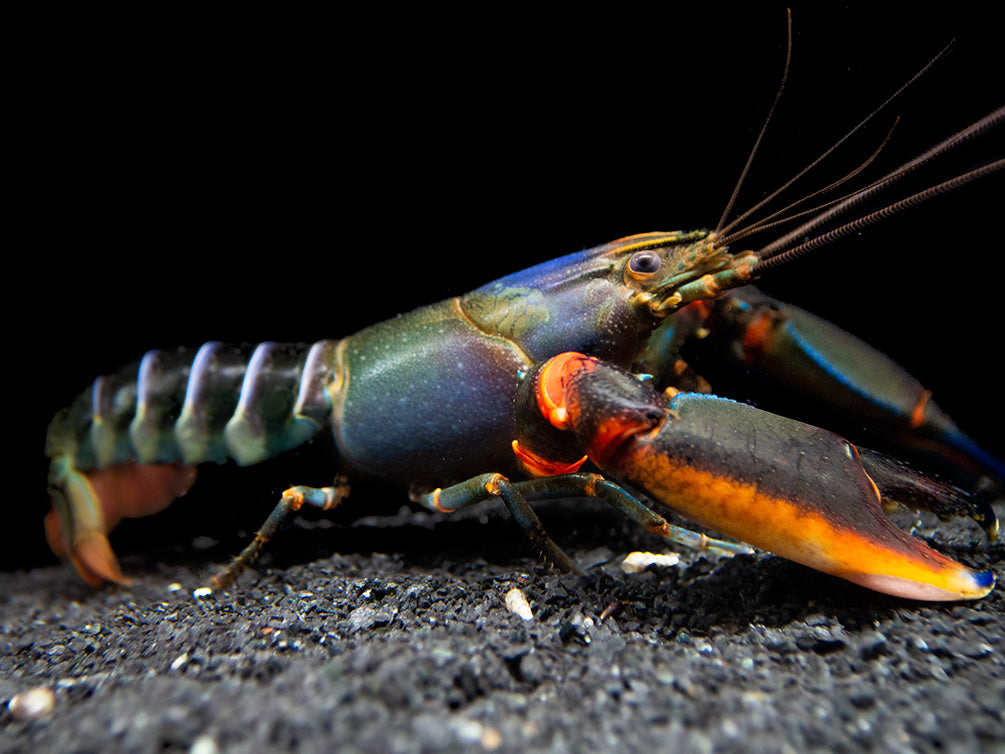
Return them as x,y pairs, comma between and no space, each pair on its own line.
790,488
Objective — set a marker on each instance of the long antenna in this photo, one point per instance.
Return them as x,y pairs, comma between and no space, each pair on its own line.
764,128
784,245
778,217
866,220
720,228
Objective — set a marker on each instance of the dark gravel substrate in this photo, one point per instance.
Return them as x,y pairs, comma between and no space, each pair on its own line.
416,652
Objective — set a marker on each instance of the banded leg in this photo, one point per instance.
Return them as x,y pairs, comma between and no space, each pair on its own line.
293,499
516,495
481,488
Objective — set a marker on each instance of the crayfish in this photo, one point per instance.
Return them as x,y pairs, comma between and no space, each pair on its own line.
565,379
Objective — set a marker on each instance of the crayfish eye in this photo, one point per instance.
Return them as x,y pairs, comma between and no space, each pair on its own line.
644,264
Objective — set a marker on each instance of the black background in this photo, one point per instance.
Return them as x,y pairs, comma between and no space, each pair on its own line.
296,178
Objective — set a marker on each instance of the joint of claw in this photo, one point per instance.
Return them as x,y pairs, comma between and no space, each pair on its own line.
559,417
295,498
671,392
435,499
494,485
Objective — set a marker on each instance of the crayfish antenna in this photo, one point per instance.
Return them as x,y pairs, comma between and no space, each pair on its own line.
719,229
793,244
726,230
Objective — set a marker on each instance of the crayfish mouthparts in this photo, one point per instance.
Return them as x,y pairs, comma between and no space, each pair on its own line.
738,271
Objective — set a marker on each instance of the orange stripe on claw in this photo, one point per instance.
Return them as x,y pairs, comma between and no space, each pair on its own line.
877,555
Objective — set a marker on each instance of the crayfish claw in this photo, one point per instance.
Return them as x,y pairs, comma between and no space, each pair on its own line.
966,584
902,485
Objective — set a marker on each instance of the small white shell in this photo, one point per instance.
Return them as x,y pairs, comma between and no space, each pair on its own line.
516,602
637,561
32,704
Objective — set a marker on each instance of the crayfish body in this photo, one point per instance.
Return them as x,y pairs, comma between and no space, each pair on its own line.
436,398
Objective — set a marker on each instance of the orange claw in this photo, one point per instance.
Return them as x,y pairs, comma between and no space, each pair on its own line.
817,506
787,487
872,552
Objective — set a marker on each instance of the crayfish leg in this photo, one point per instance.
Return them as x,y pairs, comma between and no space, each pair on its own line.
517,494
594,485
293,499
481,488
86,506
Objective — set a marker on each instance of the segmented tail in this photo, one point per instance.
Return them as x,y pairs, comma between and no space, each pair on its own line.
129,445
221,403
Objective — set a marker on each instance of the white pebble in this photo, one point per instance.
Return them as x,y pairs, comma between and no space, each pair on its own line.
516,602
204,744
32,704
179,662
638,561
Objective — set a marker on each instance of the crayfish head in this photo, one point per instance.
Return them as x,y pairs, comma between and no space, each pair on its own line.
670,270
605,301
